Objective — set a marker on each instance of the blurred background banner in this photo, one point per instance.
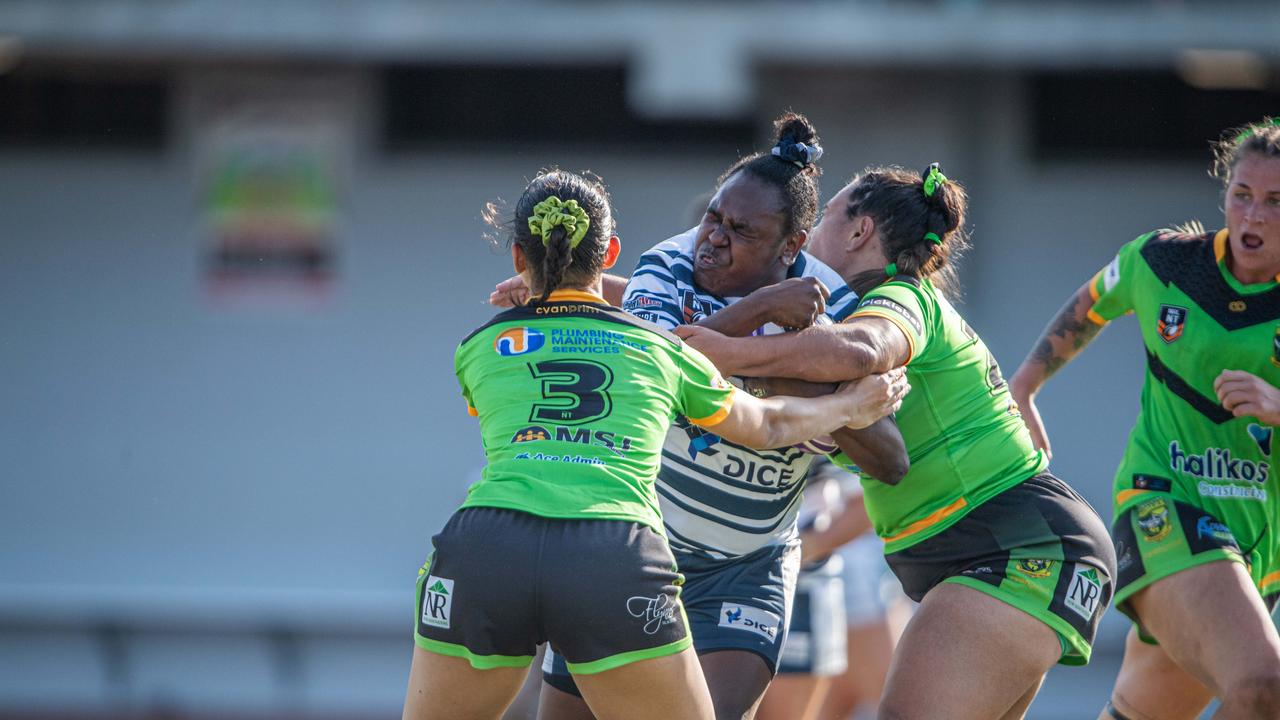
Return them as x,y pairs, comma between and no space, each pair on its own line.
271,153
240,240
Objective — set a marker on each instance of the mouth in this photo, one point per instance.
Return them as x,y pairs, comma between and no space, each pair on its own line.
1251,241
706,260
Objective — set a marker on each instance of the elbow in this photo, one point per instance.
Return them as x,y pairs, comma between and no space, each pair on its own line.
892,472
866,356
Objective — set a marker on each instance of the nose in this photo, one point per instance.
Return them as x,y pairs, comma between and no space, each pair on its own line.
718,237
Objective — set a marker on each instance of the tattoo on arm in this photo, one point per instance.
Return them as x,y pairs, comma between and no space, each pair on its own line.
1071,328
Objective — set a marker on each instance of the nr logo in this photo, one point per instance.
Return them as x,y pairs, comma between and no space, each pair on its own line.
437,601
1085,591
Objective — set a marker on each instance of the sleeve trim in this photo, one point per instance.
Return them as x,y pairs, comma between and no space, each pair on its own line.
911,342
718,416
472,411
1096,318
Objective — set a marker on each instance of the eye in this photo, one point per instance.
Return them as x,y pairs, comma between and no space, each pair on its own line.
1274,201
1241,194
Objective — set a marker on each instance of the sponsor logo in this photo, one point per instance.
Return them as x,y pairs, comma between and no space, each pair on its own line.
518,341
1153,519
1207,526
610,441
1172,321
574,459
437,601
896,307
751,619
1124,555
640,301
1262,436
1035,568
1085,592
1217,464
980,570
1112,275
695,308
593,341
1232,492
655,611
564,309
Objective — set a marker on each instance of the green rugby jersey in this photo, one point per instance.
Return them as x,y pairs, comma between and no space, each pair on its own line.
963,433
1197,320
574,399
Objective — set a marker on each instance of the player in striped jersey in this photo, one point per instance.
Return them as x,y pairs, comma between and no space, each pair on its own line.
730,511
1196,495
1011,567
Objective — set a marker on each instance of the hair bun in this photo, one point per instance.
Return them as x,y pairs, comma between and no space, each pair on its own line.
797,140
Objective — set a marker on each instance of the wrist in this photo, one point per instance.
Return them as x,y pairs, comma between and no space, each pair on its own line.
1021,385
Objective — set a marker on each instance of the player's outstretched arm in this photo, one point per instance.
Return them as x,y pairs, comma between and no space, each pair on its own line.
1066,335
785,420
877,449
855,348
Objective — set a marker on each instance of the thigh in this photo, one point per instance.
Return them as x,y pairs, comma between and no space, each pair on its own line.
449,688
557,704
793,697
736,679
670,687
961,639
1151,685
1212,622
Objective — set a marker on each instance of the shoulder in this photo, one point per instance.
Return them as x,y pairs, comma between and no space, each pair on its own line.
905,296
1175,255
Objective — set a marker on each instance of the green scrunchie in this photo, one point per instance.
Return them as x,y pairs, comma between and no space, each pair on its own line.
933,238
891,269
552,212
933,179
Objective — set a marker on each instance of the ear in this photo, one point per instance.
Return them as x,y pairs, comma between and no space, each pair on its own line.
864,229
518,259
611,254
792,246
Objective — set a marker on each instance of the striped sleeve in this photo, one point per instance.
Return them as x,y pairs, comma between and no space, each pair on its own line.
651,293
1111,286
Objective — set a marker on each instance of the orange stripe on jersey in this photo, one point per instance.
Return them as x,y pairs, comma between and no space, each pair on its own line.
575,295
718,416
1271,579
1125,496
1093,285
1095,317
911,342
934,518
472,411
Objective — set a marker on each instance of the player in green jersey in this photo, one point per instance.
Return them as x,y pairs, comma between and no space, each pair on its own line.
561,539
1196,497
1012,568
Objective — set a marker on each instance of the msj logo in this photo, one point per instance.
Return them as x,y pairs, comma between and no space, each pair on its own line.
518,341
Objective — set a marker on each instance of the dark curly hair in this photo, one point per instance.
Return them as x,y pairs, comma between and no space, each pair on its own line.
794,174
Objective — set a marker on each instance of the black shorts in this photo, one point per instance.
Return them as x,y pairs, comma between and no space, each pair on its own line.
1037,546
604,593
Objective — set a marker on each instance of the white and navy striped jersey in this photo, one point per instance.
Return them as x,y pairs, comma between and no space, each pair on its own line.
719,499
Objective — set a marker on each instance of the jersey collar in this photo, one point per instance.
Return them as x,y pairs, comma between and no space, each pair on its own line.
575,296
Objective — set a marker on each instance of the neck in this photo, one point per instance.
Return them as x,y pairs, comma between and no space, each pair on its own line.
1250,276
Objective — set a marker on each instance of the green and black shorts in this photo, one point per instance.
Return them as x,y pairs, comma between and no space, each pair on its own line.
1037,546
1158,536
604,593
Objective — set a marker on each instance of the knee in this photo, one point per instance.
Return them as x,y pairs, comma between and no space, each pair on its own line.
1259,695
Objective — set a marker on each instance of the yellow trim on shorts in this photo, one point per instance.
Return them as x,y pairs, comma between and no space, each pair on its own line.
930,520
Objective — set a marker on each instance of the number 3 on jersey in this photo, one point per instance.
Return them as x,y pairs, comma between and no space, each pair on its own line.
574,391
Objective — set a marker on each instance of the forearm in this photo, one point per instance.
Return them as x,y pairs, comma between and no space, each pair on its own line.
737,320
823,353
782,421
878,450
1066,335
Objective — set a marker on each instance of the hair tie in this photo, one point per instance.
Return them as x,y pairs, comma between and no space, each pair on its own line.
891,269
1254,127
553,212
933,237
797,153
933,178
